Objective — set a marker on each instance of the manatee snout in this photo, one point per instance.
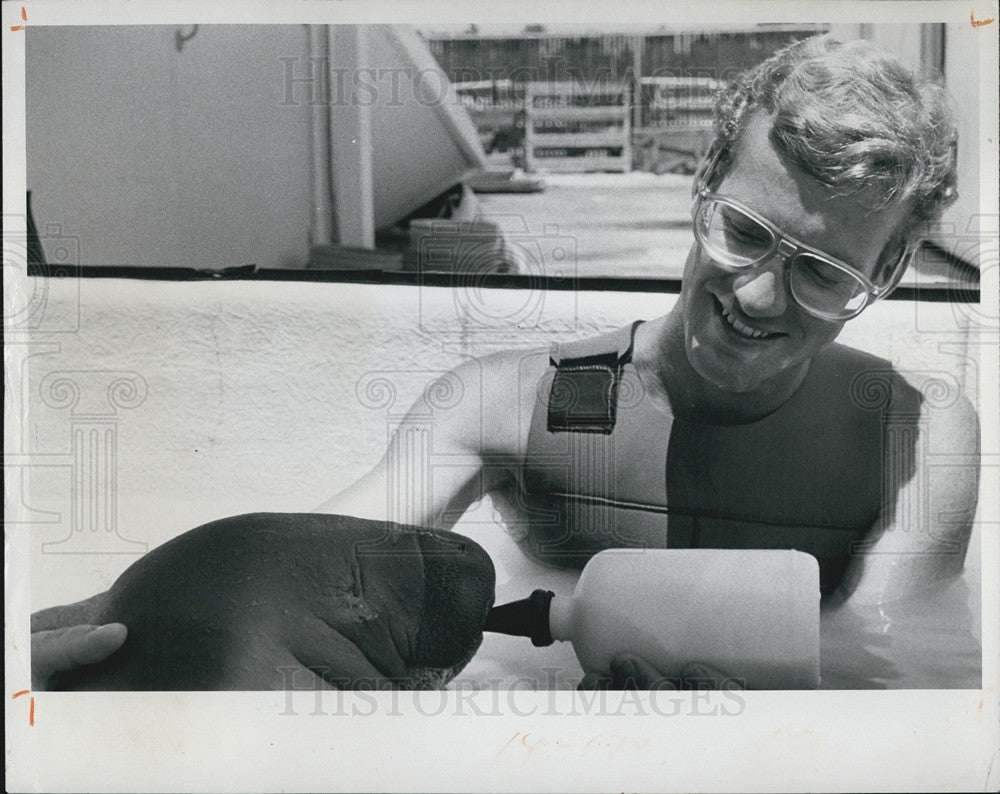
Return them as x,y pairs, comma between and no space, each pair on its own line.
459,582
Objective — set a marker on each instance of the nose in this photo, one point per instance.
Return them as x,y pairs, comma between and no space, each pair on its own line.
761,293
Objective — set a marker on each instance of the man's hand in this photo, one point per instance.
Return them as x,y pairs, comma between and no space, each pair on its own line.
61,650
632,672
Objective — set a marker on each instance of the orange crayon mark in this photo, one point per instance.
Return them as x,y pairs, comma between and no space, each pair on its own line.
24,16
508,744
31,707
978,23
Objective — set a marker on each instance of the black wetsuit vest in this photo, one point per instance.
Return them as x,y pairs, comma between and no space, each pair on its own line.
607,468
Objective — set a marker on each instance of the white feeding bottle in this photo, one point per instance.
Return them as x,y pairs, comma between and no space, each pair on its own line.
751,614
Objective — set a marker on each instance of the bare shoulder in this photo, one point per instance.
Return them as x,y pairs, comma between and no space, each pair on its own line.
935,399
498,391
953,421
938,403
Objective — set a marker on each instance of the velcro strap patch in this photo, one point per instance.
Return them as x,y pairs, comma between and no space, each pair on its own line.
584,394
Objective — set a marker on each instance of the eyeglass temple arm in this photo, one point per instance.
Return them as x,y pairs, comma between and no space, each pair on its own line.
704,174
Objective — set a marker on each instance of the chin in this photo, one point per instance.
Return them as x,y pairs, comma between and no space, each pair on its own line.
729,370
735,365
726,378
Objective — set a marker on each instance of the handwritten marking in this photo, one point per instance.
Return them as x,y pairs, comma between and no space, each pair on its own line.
978,23
24,16
509,741
31,707
608,745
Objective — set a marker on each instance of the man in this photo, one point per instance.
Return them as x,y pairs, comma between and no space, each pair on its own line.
735,420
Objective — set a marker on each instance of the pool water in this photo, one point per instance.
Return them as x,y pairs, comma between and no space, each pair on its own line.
929,641
925,642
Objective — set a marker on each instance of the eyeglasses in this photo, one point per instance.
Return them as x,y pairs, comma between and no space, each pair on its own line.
737,238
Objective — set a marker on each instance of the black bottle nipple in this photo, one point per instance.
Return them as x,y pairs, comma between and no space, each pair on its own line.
528,617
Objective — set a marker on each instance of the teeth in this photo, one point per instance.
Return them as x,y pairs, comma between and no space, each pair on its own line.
743,329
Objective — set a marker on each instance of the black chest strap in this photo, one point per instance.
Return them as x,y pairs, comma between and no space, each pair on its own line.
584,394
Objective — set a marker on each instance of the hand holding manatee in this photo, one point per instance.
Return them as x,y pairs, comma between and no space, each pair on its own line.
294,601
55,651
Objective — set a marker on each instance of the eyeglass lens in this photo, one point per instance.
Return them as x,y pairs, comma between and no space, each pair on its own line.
739,240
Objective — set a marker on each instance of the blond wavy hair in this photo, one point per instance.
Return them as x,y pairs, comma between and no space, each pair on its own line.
851,115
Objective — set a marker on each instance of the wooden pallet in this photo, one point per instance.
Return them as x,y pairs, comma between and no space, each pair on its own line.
574,128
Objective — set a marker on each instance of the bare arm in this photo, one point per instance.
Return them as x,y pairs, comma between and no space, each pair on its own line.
446,454
921,539
901,615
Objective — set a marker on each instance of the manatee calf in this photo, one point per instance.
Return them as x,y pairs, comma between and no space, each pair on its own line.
290,601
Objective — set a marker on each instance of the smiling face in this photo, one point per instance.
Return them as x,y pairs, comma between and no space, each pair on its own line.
742,330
